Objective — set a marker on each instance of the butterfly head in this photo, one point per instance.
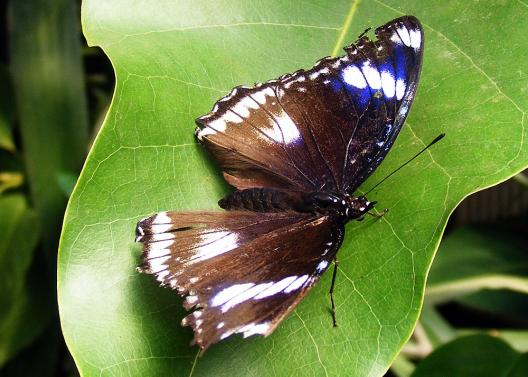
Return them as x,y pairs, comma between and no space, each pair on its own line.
358,207
345,206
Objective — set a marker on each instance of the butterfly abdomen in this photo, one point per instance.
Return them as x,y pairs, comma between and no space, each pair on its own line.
263,200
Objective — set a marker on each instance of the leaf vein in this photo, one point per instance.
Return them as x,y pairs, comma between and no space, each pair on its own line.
314,343
346,26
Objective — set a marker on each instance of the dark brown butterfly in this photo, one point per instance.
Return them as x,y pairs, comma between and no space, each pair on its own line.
296,149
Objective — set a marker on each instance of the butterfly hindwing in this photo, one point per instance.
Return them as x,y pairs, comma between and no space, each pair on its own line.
239,271
325,128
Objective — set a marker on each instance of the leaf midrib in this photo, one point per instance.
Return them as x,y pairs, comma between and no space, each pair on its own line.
346,26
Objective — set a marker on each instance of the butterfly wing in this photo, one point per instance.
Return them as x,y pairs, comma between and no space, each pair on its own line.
241,272
325,128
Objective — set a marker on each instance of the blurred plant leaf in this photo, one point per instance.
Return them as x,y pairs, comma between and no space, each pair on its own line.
66,182
438,330
419,345
11,168
516,338
475,356
402,367
173,60
10,162
38,359
33,309
470,260
49,88
7,111
10,180
18,239
522,179
502,304
520,369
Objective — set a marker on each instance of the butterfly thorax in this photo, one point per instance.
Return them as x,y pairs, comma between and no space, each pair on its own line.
343,206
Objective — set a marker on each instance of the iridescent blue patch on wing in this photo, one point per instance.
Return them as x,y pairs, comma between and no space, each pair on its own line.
356,85
336,85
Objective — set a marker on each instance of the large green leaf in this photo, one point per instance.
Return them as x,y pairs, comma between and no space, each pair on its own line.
172,61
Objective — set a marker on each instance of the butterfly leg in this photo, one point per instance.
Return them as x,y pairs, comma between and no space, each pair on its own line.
332,292
379,215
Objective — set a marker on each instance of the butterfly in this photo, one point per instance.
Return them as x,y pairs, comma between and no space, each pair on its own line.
296,149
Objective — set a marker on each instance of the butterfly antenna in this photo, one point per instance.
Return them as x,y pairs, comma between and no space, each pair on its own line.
436,140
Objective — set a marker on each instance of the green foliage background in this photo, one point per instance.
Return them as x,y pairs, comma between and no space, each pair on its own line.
43,135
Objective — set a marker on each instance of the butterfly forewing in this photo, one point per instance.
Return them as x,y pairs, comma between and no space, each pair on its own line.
326,128
241,271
